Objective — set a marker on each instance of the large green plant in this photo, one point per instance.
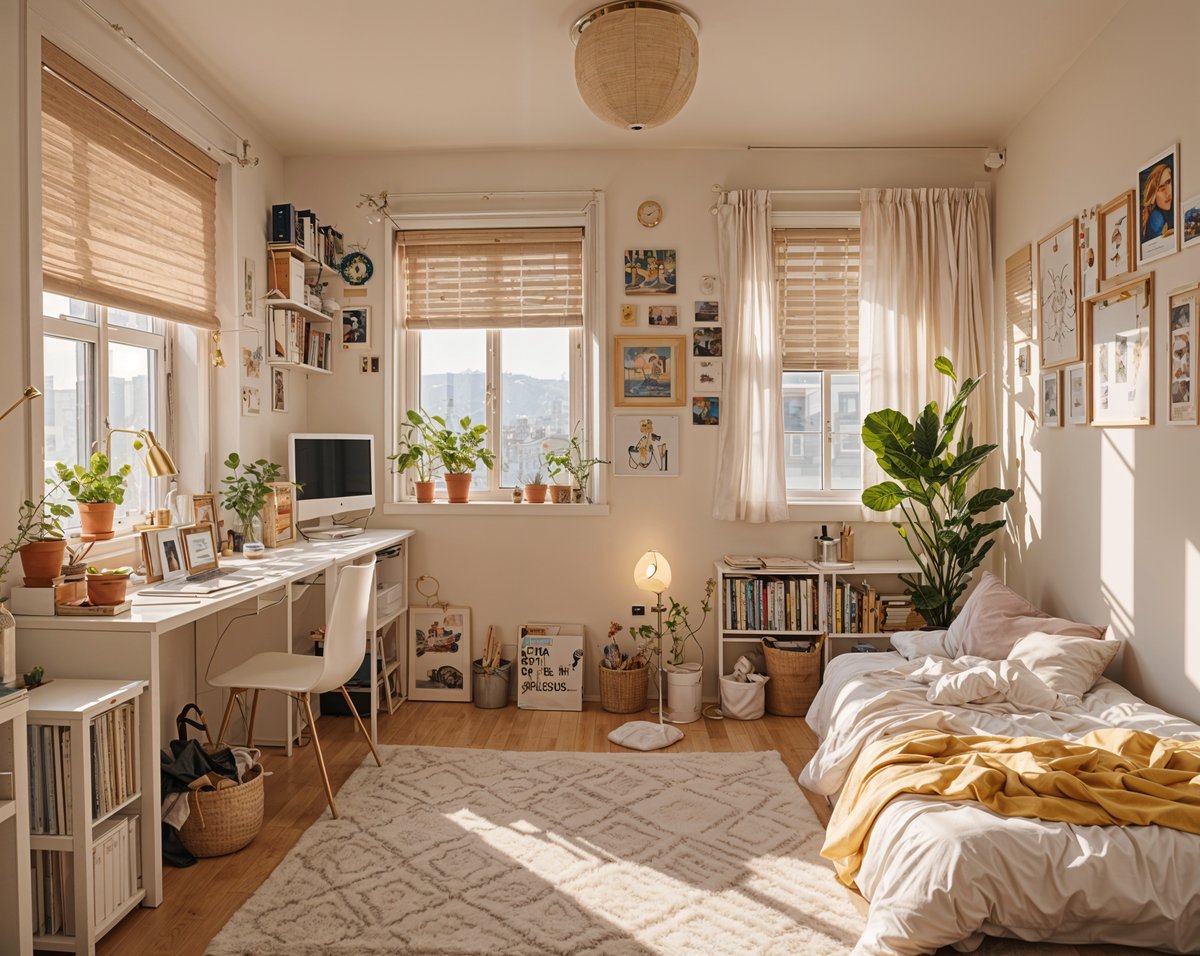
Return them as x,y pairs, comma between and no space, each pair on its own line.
247,488
942,532
414,449
95,484
459,450
36,521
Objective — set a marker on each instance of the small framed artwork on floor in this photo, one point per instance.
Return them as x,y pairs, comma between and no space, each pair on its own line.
1181,355
1051,405
439,654
1075,388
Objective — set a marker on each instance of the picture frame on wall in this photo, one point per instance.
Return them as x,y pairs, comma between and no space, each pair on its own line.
650,271
356,327
278,517
1157,206
1113,222
629,315
279,390
649,370
1120,348
707,311
707,375
1051,399
663,316
1181,355
251,400
646,445
249,299
1075,393
1191,222
439,654
706,410
1058,296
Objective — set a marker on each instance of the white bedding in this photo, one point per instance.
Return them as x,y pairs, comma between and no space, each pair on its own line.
938,873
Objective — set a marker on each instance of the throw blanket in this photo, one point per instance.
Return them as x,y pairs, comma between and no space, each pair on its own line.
1110,777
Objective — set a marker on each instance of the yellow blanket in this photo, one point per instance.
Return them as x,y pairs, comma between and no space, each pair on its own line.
1109,777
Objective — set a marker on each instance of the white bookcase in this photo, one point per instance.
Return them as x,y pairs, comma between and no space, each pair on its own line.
16,916
881,576
92,865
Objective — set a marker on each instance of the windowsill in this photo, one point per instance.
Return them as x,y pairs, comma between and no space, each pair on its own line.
830,509
125,543
496,509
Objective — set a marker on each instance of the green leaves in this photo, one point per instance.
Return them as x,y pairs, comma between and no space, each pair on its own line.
925,436
93,484
246,493
884,496
988,498
886,432
946,367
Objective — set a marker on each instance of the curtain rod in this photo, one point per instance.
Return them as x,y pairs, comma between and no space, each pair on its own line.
869,148
486,194
242,159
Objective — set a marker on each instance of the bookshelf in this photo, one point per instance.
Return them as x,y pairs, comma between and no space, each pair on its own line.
846,596
90,837
290,328
16,915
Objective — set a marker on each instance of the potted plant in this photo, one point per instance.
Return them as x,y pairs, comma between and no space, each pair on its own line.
106,586
414,453
459,451
683,677
571,461
246,491
623,677
942,532
535,489
97,491
39,539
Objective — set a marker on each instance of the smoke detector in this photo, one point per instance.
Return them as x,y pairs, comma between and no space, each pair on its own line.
993,159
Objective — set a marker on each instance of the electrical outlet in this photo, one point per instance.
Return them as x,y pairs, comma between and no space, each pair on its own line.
638,610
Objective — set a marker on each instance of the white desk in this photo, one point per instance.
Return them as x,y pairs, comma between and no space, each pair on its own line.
169,642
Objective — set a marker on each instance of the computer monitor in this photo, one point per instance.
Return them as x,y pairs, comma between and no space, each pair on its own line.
336,474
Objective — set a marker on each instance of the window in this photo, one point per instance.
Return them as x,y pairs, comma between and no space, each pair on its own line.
817,272
102,368
496,324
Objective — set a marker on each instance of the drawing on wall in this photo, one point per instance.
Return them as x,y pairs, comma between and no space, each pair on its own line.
1181,404
707,375
629,314
1112,228
251,400
649,271
1089,260
646,445
1158,213
252,361
1058,296
1050,404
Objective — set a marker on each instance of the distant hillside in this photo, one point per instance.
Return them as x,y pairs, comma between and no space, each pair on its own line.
523,395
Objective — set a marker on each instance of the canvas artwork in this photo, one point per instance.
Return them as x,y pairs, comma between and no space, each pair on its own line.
649,271
706,342
1121,349
649,370
356,327
439,653
1058,296
629,315
646,445
1051,411
251,400
1157,210
664,315
707,375
706,410
1076,393
1191,221
1112,227
1181,402
707,311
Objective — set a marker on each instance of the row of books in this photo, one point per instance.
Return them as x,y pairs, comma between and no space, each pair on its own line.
50,801
116,869
293,339
302,229
114,758
771,604
860,609
53,885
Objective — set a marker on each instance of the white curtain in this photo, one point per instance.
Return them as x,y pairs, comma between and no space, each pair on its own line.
925,290
751,484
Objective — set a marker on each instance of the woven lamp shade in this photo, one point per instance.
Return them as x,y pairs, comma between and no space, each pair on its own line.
635,66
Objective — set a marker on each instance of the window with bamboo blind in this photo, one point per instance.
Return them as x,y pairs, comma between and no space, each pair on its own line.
817,272
128,205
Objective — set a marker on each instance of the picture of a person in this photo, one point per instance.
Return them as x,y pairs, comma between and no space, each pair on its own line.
170,556
1158,202
648,448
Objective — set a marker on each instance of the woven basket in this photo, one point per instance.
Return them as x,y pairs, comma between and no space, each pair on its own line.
623,692
224,821
795,678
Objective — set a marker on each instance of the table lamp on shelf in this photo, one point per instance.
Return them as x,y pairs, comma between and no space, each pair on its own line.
651,573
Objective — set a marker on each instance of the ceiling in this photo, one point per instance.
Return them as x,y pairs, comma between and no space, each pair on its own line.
319,77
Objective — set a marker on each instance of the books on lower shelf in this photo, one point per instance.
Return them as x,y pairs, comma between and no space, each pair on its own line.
770,604
114,759
50,801
296,340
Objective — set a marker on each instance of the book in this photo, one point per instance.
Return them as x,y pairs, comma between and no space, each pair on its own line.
743,561
784,563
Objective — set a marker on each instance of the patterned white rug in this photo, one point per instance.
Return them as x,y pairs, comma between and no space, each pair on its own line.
455,851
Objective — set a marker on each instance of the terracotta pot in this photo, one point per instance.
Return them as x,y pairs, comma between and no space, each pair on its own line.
96,520
458,487
106,588
561,494
536,494
424,492
42,562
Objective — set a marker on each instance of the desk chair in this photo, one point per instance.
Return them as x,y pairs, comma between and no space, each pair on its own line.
299,675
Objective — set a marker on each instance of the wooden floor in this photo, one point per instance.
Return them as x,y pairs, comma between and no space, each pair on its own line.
200,899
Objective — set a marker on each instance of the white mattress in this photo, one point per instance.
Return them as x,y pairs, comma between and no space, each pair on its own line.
939,873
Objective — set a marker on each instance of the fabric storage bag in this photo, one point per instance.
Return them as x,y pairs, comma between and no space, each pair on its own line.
743,700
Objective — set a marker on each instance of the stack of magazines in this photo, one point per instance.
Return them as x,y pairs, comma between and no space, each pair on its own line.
743,562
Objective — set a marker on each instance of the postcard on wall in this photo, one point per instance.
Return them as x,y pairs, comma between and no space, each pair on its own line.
1181,355
356,327
1158,212
706,410
251,400
649,271
1191,222
707,375
707,342
1112,227
629,314
664,315
1121,351
1089,260
1058,296
439,653
707,311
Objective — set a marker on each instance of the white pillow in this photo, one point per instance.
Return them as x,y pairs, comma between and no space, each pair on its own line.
1068,664
914,644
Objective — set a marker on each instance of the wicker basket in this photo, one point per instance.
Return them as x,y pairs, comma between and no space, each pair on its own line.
224,821
623,692
795,678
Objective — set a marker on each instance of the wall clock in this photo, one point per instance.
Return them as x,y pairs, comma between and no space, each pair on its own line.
356,268
649,213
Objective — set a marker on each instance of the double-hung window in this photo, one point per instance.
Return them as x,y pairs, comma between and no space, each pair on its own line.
817,272
495,321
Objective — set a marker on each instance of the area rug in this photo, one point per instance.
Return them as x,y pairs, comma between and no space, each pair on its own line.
456,851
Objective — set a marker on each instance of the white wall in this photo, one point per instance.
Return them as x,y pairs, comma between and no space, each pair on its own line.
510,569
1104,523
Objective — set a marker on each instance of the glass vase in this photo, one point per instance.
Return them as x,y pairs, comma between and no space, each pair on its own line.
249,532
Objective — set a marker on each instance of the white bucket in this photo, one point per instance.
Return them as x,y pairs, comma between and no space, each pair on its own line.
743,700
683,692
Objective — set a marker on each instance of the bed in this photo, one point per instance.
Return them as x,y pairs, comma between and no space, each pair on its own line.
940,873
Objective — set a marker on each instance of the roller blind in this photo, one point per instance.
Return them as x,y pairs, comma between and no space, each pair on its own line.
492,278
817,272
128,205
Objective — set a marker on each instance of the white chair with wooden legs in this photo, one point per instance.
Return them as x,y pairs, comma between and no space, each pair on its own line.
299,675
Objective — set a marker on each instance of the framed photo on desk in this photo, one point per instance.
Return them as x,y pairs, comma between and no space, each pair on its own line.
162,555
199,548
279,527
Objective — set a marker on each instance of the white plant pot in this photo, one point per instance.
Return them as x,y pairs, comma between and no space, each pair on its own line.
683,692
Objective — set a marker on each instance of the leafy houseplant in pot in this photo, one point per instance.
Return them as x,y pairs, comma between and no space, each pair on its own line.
247,488
572,462
459,452
97,491
535,489
106,586
414,453
931,491
683,677
39,539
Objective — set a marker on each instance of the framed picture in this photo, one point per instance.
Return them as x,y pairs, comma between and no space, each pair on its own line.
151,557
204,509
1191,222
249,299
649,370
649,272
356,327
1075,389
707,311
664,315
439,653
706,410
1181,356
706,375
1023,360
1058,296
1089,264
169,553
629,318
279,526
1157,211
646,445
1120,324
1112,226
279,390
199,548
251,400
252,359
1051,406
707,342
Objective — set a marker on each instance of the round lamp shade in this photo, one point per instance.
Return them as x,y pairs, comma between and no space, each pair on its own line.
652,572
635,63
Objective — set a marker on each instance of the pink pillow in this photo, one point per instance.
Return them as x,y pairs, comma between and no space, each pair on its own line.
995,617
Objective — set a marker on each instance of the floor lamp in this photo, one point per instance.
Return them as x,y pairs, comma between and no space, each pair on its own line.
652,573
